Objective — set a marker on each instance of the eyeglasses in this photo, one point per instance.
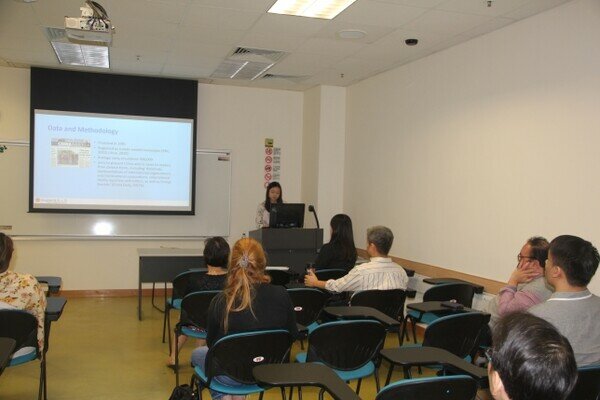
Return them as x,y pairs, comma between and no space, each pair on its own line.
489,352
520,257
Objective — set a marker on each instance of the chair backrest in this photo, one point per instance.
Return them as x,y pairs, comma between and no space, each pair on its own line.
279,277
326,274
183,281
588,384
235,355
456,387
20,326
345,345
389,302
194,307
456,333
461,292
308,303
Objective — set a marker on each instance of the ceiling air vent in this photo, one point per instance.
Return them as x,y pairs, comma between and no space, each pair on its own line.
247,63
291,78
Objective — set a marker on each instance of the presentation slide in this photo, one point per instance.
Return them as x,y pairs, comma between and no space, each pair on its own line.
112,162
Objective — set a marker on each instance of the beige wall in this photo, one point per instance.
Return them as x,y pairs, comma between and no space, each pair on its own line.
228,118
468,152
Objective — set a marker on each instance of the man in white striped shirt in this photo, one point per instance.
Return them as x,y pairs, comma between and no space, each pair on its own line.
573,309
381,273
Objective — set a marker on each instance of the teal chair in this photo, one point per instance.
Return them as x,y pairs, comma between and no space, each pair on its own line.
193,319
22,327
461,293
236,355
350,348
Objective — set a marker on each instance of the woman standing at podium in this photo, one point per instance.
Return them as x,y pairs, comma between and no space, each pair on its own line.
340,252
273,195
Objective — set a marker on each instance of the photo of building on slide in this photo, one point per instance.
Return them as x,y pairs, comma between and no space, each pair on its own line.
71,153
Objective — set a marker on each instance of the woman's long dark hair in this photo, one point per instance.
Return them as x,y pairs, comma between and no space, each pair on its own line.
341,233
279,200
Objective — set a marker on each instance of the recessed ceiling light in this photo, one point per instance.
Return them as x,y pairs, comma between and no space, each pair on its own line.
324,9
351,34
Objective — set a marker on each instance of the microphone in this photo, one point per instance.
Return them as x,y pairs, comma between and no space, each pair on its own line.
311,208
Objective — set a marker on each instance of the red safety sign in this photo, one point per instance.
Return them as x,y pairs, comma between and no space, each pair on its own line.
268,168
268,159
268,151
267,176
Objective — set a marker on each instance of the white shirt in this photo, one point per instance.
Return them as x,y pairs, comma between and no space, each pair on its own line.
380,273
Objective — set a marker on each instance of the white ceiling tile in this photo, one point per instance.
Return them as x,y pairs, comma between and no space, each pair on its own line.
255,5
373,32
534,7
445,22
480,7
382,14
272,42
153,10
202,34
131,55
186,71
135,68
187,50
330,47
220,18
275,24
303,64
415,3
14,15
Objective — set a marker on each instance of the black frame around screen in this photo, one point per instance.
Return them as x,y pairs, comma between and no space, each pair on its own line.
60,90
287,215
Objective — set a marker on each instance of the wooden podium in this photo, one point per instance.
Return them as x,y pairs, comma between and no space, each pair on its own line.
293,247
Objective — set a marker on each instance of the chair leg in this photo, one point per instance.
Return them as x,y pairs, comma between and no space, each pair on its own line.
282,393
413,323
169,325
358,385
165,321
377,379
407,373
176,357
42,392
389,374
300,392
321,392
260,396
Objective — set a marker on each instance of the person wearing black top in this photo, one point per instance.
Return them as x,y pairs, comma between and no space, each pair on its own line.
216,257
248,303
340,252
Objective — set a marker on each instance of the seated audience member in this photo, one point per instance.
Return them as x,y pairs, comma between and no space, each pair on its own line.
572,309
21,292
526,285
248,303
530,360
216,257
380,273
340,252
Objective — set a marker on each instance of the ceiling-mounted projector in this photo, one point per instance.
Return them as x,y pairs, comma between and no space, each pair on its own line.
92,27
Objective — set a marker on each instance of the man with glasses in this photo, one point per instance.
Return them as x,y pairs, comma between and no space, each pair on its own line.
530,359
526,285
572,309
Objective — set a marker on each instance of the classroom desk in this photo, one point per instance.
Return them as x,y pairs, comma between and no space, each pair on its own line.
434,307
7,345
162,265
54,309
439,281
359,312
54,283
304,374
422,356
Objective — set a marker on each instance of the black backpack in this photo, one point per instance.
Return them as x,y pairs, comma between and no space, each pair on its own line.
183,392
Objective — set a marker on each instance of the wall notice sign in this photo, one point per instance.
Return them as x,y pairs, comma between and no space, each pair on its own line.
272,166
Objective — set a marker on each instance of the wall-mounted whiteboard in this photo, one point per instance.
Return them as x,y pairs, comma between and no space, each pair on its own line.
213,188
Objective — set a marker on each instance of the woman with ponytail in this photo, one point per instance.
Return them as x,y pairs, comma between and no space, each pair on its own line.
248,303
